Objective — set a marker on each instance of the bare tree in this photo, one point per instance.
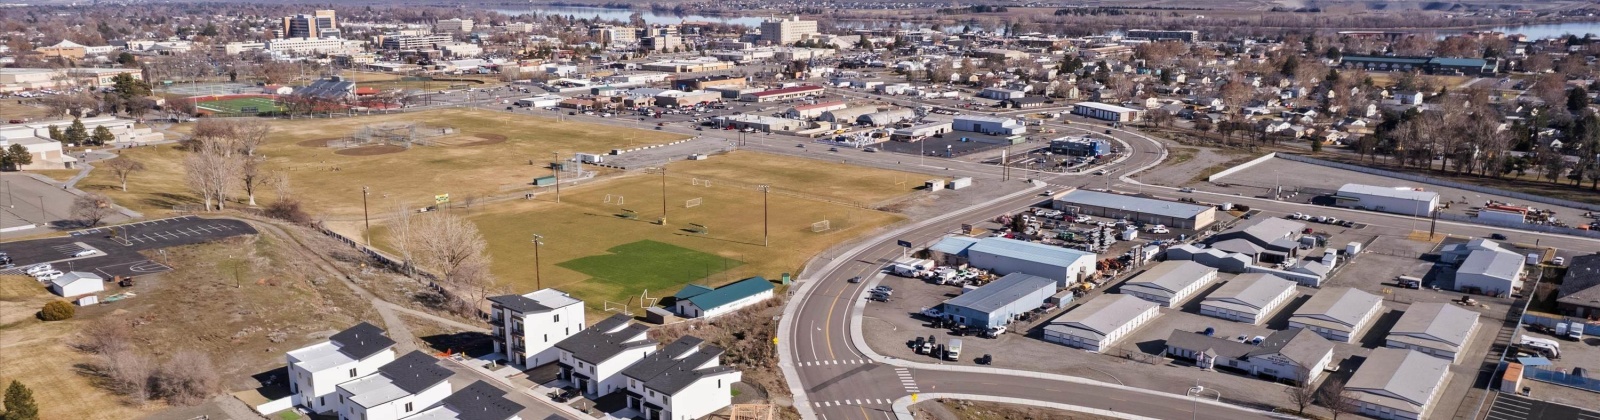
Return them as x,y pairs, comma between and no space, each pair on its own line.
188,378
251,176
104,336
91,208
129,374
249,136
1303,393
210,169
281,186
122,167
454,249
1337,399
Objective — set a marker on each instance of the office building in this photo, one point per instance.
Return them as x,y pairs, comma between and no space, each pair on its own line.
787,31
453,25
321,24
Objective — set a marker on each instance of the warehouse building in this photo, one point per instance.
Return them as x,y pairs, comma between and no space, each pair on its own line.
1101,322
1026,102
814,110
1274,239
1249,298
1000,126
886,117
1487,268
1398,383
1338,314
1106,112
708,82
920,132
1170,283
999,302
1139,209
1006,256
1400,200
1294,354
1436,329
761,123
781,94
846,115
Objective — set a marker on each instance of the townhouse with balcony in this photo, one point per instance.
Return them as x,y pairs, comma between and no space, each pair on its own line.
683,381
527,327
477,401
315,371
399,389
592,360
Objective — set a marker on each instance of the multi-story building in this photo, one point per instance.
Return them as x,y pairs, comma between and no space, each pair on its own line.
412,42
1158,35
399,389
608,34
316,371
787,31
453,25
527,327
661,42
321,24
683,381
313,46
592,360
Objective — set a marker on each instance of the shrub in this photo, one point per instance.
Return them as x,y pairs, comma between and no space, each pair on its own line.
57,310
289,211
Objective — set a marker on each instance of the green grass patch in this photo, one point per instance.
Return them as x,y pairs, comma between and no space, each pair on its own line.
659,267
236,106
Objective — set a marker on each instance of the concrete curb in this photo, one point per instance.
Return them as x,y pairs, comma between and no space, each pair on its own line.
786,326
902,406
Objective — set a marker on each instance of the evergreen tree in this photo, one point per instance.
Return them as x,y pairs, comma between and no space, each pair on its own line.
55,133
18,155
19,403
76,133
1577,99
102,135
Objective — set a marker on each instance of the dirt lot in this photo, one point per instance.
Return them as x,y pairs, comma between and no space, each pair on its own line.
984,410
1187,166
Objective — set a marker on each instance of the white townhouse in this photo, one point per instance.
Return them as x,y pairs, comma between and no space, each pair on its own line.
315,371
592,359
527,327
683,381
399,389
477,401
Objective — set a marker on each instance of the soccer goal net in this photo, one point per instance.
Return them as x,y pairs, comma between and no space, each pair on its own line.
821,226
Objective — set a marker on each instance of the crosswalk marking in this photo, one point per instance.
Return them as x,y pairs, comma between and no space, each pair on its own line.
906,381
860,402
831,362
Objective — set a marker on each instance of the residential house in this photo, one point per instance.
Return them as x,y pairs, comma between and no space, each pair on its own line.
1293,354
476,401
398,389
592,359
683,381
527,327
316,371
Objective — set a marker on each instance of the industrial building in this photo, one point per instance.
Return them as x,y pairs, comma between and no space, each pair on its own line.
1436,329
1398,383
1026,102
1484,267
1338,314
846,115
886,117
1100,323
1249,298
1001,126
1170,283
920,131
1294,354
1006,256
708,82
781,94
1106,112
999,302
1272,239
1401,200
801,112
761,123
1138,209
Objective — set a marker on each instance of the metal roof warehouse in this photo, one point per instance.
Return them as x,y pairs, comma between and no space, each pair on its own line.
1148,210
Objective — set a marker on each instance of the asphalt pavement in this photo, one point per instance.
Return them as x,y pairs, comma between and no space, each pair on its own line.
116,248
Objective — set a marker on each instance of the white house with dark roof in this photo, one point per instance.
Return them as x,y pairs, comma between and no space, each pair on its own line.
400,388
593,359
1338,314
1436,329
1398,383
683,381
1249,298
1099,323
316,371
527,327
476,401
1170,283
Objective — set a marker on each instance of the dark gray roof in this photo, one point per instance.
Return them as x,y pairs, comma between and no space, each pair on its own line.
677,366
1294,343
605,339
519,303
1135,204
414,372
1000,293
361,340
1583,273
481,401
334,88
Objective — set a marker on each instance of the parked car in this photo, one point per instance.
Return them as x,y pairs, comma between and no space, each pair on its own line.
1497,236
84,253
1182,190
34,270
1558,261
48,275
884,290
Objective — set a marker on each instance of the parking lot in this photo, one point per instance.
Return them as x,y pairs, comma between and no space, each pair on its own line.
118,247
1513,407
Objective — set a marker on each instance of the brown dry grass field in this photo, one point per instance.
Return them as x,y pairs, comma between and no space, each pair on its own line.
584,225
37,353
330,183
56,174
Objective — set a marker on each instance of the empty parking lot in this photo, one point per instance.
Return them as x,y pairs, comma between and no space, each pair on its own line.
117,247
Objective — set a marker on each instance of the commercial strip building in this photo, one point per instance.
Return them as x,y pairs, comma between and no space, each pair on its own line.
1436,329
1398,383
1249,298
1400,200
1338,314
781,94
1106,112
1000,126
1294,354
1138,209
1100,323
801,112
999,302
526,328
761,123
1005,256
1170,283
708,82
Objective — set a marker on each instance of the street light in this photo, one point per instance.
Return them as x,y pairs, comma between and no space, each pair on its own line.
538,282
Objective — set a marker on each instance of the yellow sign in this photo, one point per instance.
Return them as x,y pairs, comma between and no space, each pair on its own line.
774,340
441,198
913,397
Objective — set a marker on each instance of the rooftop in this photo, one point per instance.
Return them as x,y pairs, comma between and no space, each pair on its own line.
987,118
678,365
1494,263
1435,323
1342,307
536,301
712,298
361,340
1298,345
606,339
1135,204
1035,252
1404,193
1249,292
1401,378
1168,277
408,375
1105,107
1000,293
1102,315
477,401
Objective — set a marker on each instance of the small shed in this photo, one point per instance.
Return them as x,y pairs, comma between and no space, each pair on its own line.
77,283
934,184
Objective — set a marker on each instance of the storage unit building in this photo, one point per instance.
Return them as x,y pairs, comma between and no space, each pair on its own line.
1398,383
1106,112
1101,322
1406,201
999,302
1436,329
1170,283
989,125
1139,209
1338,314
1249,298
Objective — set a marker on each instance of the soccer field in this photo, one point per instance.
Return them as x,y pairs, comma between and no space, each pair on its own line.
238,105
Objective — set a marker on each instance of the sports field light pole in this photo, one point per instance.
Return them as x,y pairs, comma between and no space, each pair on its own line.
663,195
766,220
538,282
557,169
364,215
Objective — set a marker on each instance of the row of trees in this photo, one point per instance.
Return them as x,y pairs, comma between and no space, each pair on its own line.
222,160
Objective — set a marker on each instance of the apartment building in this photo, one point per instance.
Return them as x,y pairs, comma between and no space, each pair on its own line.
527,327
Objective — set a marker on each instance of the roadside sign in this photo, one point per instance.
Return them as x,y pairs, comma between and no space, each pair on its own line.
966,228
441,198
904,243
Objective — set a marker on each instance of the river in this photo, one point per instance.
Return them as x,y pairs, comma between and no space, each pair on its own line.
623,14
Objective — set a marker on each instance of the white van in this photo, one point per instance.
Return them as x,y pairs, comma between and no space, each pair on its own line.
952,352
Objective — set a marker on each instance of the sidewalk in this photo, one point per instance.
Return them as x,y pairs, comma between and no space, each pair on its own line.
502,379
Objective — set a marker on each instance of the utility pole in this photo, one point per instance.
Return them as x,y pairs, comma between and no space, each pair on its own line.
538,280
663,195
766,221
365,219
557,169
